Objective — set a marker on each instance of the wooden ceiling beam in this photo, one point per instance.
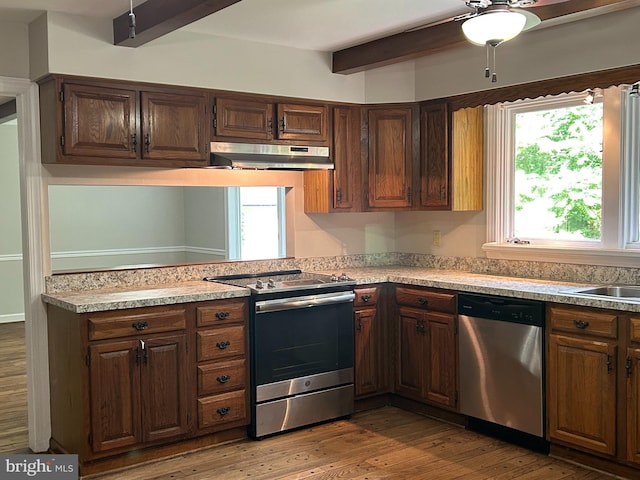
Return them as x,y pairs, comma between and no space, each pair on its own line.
446,35
155,18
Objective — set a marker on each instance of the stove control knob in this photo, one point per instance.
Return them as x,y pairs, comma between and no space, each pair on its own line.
333,278
259,284
344,277
271,283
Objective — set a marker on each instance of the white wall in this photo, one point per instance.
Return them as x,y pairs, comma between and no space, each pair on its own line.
83,46
11,298
14,54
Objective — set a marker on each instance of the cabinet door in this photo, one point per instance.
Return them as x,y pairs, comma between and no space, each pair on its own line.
467,132
367,366
243,118
164,387
328,191
582,393
99,122
633,405
174,126
434,156
115,394
442,356
302,122
410,360
390,162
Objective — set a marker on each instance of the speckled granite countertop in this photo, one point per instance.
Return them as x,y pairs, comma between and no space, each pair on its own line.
195,291
119,298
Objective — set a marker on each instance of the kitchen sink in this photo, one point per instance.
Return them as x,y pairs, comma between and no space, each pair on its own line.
630,292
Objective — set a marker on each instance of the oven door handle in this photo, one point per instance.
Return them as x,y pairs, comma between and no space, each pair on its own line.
292,303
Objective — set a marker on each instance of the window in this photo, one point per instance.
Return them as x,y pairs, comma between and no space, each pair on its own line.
562,181
256,222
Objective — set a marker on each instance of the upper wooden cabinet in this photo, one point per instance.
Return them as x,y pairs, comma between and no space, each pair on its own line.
257,119
114,123
451,157
434,156
174,126
390,163
338,190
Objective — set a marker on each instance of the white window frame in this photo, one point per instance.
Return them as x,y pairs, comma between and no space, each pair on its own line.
619,245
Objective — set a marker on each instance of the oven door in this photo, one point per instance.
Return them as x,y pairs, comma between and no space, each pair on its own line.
300,338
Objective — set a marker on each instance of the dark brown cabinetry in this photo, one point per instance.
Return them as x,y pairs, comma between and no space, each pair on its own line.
371,371
147,376
426,358
582,378
338,190
252,118
222,366
87,121
434,156
632,372
390,161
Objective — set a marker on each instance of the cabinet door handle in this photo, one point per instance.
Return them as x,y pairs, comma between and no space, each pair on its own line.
420,326
581,324
283,124
147,142
222,315
223,345
222,411
134,142
628,366
224,378
139,326
609,365
270,127
359,326
366,298
423,301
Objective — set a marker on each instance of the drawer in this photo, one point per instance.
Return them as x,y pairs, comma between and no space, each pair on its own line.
214,378
219,410
366,296
222,313
220,343
427,299
583,321
113,326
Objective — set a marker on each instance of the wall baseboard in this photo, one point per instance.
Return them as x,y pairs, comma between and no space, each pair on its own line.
12,317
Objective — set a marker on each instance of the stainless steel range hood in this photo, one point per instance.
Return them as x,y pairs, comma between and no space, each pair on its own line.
277,157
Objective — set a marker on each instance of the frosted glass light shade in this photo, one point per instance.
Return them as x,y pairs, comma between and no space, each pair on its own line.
496,27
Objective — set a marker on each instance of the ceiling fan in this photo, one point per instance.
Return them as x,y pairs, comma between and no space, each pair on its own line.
493,22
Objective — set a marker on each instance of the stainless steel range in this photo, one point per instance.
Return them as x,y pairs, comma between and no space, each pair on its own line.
301,337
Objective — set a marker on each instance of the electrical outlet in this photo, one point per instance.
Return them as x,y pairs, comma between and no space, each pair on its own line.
436,238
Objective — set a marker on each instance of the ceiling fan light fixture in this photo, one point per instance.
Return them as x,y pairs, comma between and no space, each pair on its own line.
494,27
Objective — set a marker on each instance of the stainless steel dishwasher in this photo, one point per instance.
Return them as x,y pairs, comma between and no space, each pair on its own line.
501,343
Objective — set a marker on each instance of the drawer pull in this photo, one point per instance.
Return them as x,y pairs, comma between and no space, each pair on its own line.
222,315
222,411
224,378
366,298
581,324
140,325
223,345
422,301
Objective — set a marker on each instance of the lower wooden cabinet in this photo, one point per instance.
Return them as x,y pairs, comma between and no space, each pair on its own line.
371,365
426,346
130,379
138,391
593,373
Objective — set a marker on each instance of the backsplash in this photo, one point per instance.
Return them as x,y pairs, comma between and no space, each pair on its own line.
169,275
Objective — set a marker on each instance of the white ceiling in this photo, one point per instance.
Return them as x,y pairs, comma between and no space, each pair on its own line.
308,24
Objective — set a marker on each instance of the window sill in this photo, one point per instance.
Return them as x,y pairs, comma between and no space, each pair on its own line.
584,256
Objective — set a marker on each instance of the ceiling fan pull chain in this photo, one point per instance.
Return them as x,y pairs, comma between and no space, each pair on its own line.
487,72
494,76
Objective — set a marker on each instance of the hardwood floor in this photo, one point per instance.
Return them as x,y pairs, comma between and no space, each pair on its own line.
387,443
13,389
